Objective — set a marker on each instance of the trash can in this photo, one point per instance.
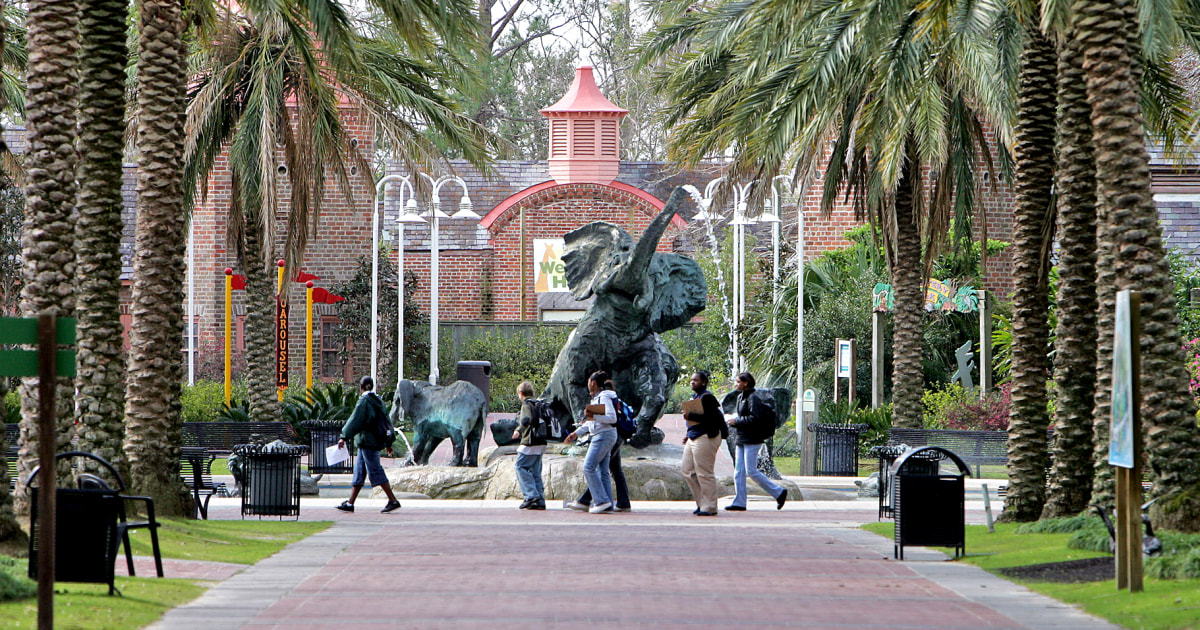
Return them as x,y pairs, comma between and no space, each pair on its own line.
479,374
927,505
924,463
837,448
321,435
272,479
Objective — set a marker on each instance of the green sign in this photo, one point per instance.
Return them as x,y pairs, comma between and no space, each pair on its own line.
23,331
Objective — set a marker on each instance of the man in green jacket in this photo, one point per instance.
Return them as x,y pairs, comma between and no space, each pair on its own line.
360,429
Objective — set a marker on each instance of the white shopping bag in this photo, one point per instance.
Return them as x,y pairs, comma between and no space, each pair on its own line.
336,454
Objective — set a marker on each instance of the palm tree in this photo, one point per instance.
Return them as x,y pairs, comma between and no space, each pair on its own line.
152,409
1075,339
779,80
1107,33
48,248
100,373
265,82
1033,224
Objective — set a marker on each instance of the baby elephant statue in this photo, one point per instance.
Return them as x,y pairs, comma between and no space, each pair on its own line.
456,411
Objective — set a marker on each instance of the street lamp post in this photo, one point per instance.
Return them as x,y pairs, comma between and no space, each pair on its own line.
740,221
465,212
376,209
770,215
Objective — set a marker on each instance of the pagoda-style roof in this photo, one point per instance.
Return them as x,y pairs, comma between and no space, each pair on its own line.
584,97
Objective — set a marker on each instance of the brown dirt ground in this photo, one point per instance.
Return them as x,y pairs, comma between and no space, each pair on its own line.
1073,571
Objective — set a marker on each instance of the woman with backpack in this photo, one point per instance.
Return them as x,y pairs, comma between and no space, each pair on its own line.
755,424
603,431
531,431
614,467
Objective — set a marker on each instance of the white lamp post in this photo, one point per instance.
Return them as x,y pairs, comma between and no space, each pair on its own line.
465,212
770,215
380,190
740,221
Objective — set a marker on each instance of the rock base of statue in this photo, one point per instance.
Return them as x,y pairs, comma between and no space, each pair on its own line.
652,474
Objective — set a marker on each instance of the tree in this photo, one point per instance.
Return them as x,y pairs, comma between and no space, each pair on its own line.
153,426
100,371
269,91
1033,224
1106,31
776,81
48,242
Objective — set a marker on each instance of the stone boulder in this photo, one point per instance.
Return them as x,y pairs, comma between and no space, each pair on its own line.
441,482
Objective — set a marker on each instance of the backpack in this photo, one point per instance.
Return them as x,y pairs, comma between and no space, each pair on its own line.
626,427
540,422
382,429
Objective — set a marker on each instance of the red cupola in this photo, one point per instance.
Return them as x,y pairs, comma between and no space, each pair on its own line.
585,134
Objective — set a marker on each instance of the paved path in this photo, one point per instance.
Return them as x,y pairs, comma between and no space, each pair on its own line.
475,564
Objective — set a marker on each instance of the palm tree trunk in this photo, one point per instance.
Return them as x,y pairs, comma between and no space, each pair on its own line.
260,325
1105,30
908,375
100,378
1033,221
48,245
1103,484
153,426
1075,343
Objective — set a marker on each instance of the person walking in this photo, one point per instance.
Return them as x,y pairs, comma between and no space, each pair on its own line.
755,424
530,451
359,429
705,430
603,431
614,470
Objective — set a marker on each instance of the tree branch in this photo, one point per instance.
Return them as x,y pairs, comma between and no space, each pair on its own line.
499,27
510,48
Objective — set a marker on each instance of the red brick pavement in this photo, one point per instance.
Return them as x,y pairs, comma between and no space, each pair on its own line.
504,568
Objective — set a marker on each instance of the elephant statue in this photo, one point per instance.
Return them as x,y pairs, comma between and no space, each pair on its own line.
456,411
639,294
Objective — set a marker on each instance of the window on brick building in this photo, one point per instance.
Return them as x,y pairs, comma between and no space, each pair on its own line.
333,368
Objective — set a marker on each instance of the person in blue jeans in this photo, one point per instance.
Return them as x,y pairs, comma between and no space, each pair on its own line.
529,452
755,424
614,470
358,430
603,431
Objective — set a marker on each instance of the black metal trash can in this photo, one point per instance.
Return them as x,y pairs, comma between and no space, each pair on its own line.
923,463
928,508
272,479
321,435
837,448
479,374
86,535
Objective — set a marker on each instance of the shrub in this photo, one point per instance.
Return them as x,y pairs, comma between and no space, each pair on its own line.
12,407
938,401
878,422
987,414
202,402
13,584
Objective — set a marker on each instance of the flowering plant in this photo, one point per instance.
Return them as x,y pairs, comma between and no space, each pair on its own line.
987,414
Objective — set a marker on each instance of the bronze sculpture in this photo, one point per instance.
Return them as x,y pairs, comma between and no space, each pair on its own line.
639,294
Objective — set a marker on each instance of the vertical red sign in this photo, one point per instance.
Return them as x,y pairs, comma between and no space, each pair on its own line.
281,344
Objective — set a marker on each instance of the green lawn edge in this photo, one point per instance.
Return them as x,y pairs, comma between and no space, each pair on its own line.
1163,605
144,600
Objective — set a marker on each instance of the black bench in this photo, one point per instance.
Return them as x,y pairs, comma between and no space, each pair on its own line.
195,468
976,448
219,438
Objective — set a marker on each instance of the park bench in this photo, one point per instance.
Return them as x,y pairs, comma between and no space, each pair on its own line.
975,448
219,438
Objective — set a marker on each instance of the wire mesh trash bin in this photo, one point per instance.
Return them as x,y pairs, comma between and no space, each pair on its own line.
321,435
479,374
272,479
924,463
837,449
927,505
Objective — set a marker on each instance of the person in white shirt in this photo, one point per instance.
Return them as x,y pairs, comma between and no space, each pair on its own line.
603,431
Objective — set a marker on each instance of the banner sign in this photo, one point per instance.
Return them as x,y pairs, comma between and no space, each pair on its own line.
1120,437
549,275
281,344
939,296
845,357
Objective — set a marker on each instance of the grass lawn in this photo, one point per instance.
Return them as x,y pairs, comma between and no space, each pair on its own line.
144,599
1164,605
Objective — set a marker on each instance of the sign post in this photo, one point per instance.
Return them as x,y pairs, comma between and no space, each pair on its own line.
808,448
46,363
1125,439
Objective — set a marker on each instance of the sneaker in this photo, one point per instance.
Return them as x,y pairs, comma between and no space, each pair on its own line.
346,506
600,508
781,500
392,506
575,505
622,509
538,504
735,508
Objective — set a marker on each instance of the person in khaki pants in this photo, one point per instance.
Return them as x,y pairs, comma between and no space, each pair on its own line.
704,434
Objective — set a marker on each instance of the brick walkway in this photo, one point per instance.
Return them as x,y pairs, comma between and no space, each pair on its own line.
436,564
